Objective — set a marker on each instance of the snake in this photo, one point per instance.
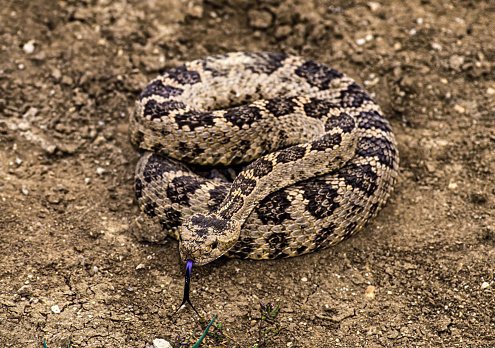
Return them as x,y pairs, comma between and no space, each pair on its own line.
259,155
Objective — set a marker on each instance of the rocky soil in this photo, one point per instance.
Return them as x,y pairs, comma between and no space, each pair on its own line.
421,274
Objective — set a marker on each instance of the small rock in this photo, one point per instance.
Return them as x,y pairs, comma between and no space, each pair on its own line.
25,290
370,292
56,74
431,167
161,343
100,171
140,266
67,80
23,126
459,109
436,46
49,148
443,324
31,112
195,11
29,47
283,31
393,334
55,309
483,286
260,19
54,198
455,62
490,91
374,6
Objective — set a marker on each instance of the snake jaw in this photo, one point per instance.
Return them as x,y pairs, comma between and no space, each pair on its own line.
206,237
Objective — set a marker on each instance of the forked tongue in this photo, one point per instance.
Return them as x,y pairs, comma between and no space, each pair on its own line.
187,288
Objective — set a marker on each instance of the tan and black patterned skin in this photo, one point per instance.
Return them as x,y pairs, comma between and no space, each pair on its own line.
313,156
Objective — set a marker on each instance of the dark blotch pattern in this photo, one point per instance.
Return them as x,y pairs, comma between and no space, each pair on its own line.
273,208
291,154
260,167
195,118
317,75
343,121
278,241
234,204
321,196
246,186
243,247
158,110
267,62
179,189
326,141
157,165
318,108
157,88
324,237
354,96
171,219
373,119
360,177
183,76
280,106
217,195
380,148
150,208
242,115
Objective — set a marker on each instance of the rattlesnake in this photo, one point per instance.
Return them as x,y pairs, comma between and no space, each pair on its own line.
323,157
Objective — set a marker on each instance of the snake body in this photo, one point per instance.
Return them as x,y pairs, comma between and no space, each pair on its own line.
260,155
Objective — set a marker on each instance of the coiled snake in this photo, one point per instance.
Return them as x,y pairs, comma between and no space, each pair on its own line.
312,157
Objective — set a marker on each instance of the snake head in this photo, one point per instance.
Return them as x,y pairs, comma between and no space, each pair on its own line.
206,237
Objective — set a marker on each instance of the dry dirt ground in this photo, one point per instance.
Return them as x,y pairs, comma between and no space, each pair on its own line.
70,265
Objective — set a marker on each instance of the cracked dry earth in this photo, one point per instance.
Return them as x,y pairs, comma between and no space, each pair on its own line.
71,267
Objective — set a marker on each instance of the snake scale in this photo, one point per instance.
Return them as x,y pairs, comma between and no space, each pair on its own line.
260,155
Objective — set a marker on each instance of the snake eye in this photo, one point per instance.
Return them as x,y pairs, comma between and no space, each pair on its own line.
214,244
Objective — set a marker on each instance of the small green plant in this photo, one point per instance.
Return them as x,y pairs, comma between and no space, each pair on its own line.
269,326
181,342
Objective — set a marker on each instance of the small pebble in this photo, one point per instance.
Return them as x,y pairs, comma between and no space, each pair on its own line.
29,47
23,126
100,170
260,19
374,6
195,11
490,91
436,46
370,292
459,109
161,343
55,309
485,285
140,266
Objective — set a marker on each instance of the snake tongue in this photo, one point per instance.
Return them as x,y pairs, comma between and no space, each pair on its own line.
186,299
